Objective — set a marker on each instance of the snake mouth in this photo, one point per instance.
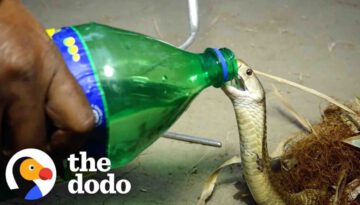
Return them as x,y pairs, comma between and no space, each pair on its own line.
239,83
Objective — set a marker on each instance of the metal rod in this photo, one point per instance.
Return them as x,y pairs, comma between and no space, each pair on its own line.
193,139
194,23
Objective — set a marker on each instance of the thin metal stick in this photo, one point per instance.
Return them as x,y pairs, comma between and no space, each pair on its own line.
193,139
194,23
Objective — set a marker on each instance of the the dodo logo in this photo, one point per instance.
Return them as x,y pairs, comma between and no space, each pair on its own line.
31,174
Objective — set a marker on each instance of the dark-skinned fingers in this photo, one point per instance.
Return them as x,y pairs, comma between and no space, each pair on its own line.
3,153
26,122
1,130
67,105
63,143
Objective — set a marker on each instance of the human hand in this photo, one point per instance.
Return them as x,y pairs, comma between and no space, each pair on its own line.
34,84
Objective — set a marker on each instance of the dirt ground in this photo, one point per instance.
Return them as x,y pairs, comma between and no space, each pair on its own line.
315,43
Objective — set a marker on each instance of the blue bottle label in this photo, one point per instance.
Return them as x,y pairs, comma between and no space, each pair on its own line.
79,62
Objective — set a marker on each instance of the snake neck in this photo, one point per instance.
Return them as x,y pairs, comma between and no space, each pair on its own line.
251,119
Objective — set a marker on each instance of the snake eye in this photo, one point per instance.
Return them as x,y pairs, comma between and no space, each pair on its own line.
249,71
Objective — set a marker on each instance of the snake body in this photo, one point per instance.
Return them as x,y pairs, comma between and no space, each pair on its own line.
248,99
253,152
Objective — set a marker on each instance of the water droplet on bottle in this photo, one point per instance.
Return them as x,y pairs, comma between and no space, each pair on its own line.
164,77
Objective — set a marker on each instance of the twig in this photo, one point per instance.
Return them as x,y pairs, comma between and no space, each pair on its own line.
353,141
210,183
199,161
157,29
214,21
332,45
352,191
357,100
340,187
306,89
304,122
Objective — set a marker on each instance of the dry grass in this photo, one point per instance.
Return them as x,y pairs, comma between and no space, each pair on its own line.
321,160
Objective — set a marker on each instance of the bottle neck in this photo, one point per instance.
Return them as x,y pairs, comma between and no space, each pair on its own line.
220,64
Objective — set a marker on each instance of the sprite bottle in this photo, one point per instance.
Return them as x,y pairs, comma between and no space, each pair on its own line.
136,85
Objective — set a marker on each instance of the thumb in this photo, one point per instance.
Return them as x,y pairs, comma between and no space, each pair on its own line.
66,104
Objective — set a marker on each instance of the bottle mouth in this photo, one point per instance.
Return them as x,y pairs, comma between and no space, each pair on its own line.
223,63
227,61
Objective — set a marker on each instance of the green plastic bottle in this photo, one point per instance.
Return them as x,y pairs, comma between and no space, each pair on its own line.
137,86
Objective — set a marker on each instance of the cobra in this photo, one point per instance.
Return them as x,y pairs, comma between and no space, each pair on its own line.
248,98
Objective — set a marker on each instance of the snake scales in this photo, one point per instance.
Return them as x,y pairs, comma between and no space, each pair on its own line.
248,98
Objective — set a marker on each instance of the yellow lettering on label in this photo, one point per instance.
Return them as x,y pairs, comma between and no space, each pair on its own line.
76,57
73,49
69,41
50,32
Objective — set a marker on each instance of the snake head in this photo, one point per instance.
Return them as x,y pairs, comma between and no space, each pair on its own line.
246,88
